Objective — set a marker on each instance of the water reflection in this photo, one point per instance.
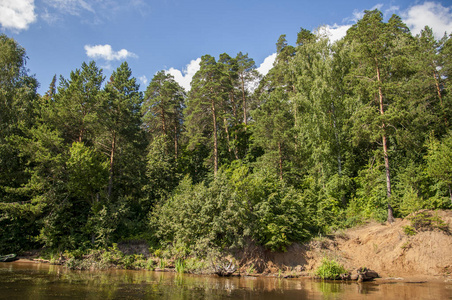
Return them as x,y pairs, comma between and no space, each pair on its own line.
42,281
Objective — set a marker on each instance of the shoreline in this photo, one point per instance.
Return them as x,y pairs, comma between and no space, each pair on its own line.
383,248
418,279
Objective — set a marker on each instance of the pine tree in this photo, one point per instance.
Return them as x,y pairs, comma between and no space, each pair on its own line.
77,104
162,109
120,134
203,110
378,50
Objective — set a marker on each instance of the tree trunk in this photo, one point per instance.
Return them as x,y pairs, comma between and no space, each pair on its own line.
336,135
112,156
176,146
385,149
230,150
215,139
80,136
162,112
280,161
244,102
438,90
450,193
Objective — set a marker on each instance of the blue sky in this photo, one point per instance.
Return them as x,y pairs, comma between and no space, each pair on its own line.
172,35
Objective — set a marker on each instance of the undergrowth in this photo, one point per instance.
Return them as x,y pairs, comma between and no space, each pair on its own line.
330,269
425,221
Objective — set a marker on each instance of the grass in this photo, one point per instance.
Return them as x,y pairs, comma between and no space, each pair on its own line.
180,266
162,263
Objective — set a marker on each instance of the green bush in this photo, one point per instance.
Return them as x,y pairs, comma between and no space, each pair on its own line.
425,221
409,230
330,269
235,207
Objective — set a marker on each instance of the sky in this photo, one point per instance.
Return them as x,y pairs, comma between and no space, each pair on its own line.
173,35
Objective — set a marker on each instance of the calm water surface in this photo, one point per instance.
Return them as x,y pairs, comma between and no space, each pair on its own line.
19,280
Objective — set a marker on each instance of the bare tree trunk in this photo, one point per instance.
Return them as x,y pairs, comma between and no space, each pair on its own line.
163,120
244,102
215,139
450,193
80,136
176,146
112,156
336,135
438,90
385,150
280,161
230,150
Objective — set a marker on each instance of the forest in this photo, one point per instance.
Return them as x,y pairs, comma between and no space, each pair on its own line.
334,135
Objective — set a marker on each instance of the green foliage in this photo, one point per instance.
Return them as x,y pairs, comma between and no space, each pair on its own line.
330,269
88,172
150,265
92,163
439,159
409,230
235,206
370,200
426,221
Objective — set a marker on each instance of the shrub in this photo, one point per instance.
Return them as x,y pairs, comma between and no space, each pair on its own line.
409,230
425,221
330,269
235,207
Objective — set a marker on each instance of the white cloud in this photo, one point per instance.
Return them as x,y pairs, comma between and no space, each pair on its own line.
107,53
267,64
436,16
17,14
144,79
335,32
185,76
432,14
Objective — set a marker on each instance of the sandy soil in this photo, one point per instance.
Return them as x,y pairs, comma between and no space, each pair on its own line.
384,248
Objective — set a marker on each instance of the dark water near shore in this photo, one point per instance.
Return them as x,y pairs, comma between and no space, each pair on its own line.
19,280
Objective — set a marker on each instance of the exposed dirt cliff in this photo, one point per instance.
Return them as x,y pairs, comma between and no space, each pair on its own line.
385,248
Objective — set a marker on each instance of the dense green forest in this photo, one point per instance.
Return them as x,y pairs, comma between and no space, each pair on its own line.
335,134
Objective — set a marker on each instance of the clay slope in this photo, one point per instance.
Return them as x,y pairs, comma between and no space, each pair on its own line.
384,248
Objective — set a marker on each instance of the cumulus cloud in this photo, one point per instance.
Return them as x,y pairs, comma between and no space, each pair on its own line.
107,53
267,64
334,32
432,14
416,17
17,14
185,76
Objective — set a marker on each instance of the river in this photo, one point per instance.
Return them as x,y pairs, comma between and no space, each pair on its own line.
28,280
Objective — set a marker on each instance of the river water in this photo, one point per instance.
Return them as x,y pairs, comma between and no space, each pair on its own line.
27,280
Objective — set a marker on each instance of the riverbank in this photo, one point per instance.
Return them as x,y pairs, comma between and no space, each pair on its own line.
415,249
